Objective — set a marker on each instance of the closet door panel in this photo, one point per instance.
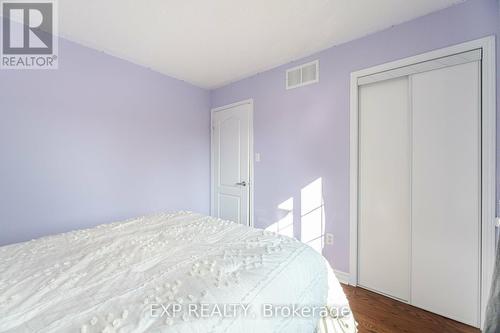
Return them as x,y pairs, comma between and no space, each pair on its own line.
446,191
384,187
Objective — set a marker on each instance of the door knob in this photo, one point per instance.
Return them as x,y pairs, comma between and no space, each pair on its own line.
243,183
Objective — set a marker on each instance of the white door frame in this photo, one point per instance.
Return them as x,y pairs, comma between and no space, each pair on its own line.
488,153
250,159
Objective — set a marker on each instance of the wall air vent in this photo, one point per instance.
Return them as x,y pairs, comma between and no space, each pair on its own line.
302,75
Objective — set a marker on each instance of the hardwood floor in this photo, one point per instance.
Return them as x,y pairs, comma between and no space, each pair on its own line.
379,314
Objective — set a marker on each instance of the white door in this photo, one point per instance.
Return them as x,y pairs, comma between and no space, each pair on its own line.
231,162
419,188
384,187
446,191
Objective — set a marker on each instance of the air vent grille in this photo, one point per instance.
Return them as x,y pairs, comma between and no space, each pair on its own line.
302,75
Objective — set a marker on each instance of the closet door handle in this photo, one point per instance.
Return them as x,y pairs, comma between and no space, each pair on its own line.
243,183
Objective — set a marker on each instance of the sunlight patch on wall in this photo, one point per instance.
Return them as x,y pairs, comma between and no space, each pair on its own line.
312,215
285,225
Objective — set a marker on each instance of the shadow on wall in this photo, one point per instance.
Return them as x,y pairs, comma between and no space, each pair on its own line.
312,216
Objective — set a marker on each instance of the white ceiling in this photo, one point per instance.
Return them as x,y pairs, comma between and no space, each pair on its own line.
213,42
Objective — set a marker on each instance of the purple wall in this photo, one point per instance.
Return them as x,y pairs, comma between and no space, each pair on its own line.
99,139
303,134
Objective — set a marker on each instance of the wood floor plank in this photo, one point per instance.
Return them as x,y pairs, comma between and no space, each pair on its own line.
379,314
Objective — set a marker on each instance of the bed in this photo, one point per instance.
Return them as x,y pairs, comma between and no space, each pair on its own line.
175,272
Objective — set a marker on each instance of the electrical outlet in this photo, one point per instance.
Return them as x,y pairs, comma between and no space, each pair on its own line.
329,238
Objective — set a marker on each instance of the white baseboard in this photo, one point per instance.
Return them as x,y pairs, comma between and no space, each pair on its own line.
343,277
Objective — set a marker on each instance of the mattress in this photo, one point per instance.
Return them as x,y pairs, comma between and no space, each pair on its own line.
177,272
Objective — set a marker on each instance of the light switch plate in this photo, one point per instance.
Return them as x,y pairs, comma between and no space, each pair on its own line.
257,157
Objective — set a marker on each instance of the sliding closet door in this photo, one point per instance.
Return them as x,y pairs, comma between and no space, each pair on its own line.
446,191
384,187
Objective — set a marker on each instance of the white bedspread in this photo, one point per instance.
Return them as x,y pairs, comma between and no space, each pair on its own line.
118,278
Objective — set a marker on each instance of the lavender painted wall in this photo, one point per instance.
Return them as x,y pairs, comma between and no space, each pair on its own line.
99,139
303,134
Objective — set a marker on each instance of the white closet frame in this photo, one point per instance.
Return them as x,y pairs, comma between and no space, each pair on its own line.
488,152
